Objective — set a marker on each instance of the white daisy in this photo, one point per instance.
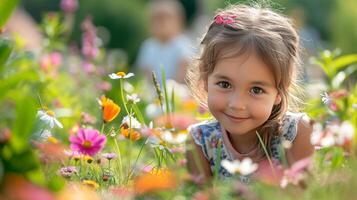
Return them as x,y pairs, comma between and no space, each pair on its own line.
49,117
345,133
131,121
231,166
133,98
244,167
174,138
120,75
247,166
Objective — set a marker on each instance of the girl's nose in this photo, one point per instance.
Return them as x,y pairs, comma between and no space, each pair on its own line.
237,102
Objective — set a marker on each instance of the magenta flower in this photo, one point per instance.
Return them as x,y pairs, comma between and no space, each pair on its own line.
87,141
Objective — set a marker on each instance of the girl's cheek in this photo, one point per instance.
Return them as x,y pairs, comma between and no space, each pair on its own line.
260,109
215,100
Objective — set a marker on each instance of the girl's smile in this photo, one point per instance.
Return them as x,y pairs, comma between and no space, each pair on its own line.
236,119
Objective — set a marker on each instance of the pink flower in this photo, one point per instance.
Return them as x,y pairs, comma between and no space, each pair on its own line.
296,173
333,106
338,94
87,141
106,86
90,45
51,61
87,118
69,6
88,67
224,19
56,58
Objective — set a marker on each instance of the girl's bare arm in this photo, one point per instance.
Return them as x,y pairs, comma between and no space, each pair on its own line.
301,147
197,164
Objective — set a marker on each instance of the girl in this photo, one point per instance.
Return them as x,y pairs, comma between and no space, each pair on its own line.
245,75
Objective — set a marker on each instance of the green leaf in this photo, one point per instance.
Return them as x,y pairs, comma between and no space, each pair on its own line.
6,8
36,176
23,124
321,64
342,76
56,183
22,162
163,76
343,61
10,83
6,47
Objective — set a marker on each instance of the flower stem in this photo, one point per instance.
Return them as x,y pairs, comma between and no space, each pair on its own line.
136,160
122,96
102,129
266,152
119,158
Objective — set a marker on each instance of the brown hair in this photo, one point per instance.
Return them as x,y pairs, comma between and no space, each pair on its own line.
271,36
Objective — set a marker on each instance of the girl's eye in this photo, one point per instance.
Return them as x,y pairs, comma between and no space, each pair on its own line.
224,84
256,90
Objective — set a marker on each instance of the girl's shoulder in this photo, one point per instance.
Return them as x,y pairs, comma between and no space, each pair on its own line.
205,126
208,135
290,124
205,131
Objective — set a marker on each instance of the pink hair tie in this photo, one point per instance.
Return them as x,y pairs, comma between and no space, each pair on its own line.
224,19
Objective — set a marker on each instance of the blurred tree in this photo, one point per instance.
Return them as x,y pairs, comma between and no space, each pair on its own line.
343,26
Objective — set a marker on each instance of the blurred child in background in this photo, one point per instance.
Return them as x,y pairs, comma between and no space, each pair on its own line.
167,48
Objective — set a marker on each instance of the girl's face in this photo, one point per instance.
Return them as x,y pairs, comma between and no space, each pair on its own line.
241,93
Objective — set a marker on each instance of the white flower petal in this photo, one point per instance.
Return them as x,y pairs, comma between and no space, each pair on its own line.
51,122
327,141
247,166
40,113
132,122
231,167
114,76
129,75
59,124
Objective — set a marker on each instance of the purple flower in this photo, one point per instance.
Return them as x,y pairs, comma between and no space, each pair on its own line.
109,156
68,171
87,141
69,6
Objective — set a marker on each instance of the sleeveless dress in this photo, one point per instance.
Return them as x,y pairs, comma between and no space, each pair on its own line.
208,134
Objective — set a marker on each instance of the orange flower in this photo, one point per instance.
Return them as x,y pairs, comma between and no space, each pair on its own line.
110,109
134,135
151,182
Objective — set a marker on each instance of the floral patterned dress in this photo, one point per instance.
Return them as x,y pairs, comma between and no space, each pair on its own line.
208,134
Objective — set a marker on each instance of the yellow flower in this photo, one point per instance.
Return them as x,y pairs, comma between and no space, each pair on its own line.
91,184
88,159
52,140
110,109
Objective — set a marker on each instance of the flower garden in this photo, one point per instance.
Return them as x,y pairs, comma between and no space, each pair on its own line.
73,125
